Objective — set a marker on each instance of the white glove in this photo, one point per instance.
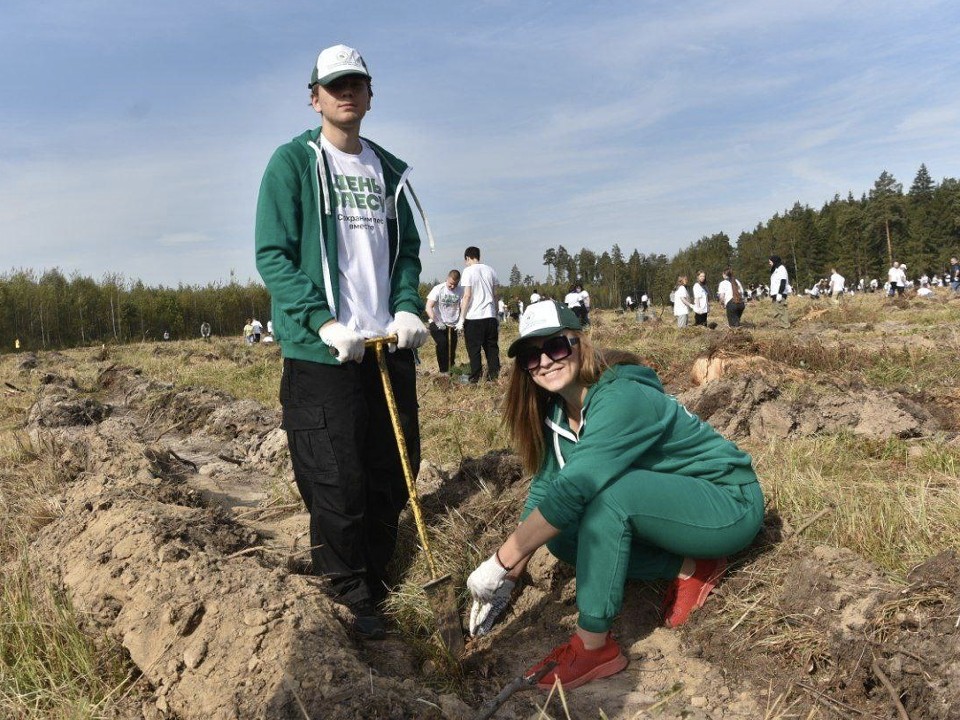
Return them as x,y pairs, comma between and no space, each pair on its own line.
409,329
460,326
344,343
439,324
489,577
778,297
484,615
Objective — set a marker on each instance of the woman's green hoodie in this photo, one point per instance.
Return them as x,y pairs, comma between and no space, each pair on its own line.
296,244
628,423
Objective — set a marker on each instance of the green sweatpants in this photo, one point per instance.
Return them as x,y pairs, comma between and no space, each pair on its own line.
642,526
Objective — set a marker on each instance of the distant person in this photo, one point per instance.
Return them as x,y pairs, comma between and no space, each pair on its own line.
501,310
205,331
248,332
166,334
257,330
730,295
478,315
572,301
837,285
443,310
681,302
701,299
627,484
893,280
954,274
584,303
628,303
338,249
903,283
779,282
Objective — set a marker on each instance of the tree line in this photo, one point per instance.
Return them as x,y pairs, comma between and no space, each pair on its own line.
51,311
861,237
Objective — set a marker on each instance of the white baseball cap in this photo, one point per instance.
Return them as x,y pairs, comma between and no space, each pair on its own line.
542,319
335,62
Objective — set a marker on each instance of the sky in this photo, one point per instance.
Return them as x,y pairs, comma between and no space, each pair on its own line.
135,134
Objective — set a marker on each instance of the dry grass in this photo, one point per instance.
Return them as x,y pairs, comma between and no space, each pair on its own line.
894,502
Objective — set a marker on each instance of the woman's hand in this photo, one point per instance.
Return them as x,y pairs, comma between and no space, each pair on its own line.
484,614
484,582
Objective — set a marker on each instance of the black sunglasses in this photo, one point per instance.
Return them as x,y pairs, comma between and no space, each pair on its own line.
556,348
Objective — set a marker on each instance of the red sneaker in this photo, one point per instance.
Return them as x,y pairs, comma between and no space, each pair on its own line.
684,595
577,666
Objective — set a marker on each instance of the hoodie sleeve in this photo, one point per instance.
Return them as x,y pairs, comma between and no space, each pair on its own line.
405,284
279,225
622,424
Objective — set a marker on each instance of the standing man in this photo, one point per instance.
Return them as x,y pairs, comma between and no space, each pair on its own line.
893,279
478,315
338,249
701,305
443,309
778,291
954,274
837,283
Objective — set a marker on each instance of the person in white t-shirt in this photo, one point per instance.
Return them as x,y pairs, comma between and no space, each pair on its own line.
779,288
837,285
443,309
574,300
893,280
585,304
701,305
338,248
681,302
478,315
731,296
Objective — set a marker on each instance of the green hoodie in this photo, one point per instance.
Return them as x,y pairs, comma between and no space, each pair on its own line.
296,244
628,423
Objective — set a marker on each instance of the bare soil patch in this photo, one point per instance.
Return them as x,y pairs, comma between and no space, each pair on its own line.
179,535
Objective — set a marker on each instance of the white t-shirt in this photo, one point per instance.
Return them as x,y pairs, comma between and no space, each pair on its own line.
780,273
363,246
679,295
837,283
700,304
482,281
725,292
572,299
447,302
585,299
893,275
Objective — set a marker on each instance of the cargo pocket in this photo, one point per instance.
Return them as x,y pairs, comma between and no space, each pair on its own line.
311,449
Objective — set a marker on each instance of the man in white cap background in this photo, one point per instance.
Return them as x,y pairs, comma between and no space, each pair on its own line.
338,249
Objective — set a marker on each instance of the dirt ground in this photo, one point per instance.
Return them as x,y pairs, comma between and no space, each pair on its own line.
180,537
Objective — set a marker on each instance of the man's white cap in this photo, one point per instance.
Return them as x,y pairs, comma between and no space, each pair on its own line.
335,62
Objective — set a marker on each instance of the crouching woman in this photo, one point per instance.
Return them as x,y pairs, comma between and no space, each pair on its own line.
627,484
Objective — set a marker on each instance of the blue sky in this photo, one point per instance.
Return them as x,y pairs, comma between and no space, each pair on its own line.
135,134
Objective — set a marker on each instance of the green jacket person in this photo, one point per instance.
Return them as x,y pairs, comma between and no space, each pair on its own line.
627,485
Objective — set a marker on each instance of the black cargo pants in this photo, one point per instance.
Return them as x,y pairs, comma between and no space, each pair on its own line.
347,466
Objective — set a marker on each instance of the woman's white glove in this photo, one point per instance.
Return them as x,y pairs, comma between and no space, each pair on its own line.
484,614
410,330
344,343
489,577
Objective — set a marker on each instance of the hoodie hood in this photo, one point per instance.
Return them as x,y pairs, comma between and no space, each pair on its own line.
638,373
777,262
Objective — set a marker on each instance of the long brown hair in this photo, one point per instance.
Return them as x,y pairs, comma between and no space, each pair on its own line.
734,287
525,404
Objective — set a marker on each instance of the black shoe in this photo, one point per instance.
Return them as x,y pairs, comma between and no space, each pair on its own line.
368,623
